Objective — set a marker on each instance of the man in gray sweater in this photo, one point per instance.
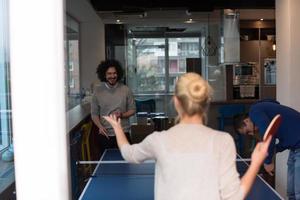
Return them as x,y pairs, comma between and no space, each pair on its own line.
111,97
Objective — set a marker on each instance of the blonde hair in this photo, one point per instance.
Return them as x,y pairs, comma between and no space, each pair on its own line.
194,94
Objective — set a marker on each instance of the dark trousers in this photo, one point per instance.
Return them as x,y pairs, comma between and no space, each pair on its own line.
109,143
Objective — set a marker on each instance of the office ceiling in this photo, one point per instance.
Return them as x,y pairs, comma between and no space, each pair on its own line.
174,14
190,5
162,11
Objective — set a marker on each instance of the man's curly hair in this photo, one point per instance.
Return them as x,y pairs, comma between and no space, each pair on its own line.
103,67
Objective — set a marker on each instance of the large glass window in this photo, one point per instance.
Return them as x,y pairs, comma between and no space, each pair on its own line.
158,54
180,50
72,68
148,58
5,104
146,61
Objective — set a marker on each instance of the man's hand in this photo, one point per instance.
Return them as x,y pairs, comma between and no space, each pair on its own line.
103,131
118,114
116,124
269,168
114,121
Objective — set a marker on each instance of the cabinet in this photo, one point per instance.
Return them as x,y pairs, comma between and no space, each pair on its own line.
242,81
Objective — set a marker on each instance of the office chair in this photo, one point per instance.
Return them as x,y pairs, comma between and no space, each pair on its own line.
145,105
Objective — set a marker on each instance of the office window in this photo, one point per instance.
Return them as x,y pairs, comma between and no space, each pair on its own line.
181,49
72,83
146,61
150,63
72,64
5,103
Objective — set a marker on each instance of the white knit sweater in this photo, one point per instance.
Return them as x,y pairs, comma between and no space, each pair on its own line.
192,162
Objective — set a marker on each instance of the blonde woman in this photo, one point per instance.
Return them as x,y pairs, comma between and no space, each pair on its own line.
193,161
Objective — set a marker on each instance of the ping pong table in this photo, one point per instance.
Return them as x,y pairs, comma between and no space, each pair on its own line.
115,179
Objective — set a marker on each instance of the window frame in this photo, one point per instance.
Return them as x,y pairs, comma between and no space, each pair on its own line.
167,76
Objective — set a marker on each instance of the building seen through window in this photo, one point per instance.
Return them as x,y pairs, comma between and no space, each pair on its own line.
151,64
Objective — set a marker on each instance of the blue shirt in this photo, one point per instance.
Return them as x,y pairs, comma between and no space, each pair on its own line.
288,134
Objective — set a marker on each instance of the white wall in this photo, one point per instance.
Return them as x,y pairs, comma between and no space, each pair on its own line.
92,45
288,70
38,100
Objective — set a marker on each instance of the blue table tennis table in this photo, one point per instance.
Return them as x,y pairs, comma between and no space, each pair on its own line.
115,179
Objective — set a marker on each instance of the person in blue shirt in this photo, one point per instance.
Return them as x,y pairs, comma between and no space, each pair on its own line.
288,137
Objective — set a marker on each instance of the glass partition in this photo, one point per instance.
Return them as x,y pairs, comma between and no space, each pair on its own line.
156,54
72,64
5,104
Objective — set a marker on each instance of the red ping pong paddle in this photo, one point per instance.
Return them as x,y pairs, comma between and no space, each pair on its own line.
273,127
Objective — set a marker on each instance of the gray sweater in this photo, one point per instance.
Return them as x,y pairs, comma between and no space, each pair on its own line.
192,162
107,100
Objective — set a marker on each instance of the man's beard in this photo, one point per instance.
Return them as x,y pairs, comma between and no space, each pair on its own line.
112,81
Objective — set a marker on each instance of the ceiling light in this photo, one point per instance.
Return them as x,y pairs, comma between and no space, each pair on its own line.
274,45
261,19
190,21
